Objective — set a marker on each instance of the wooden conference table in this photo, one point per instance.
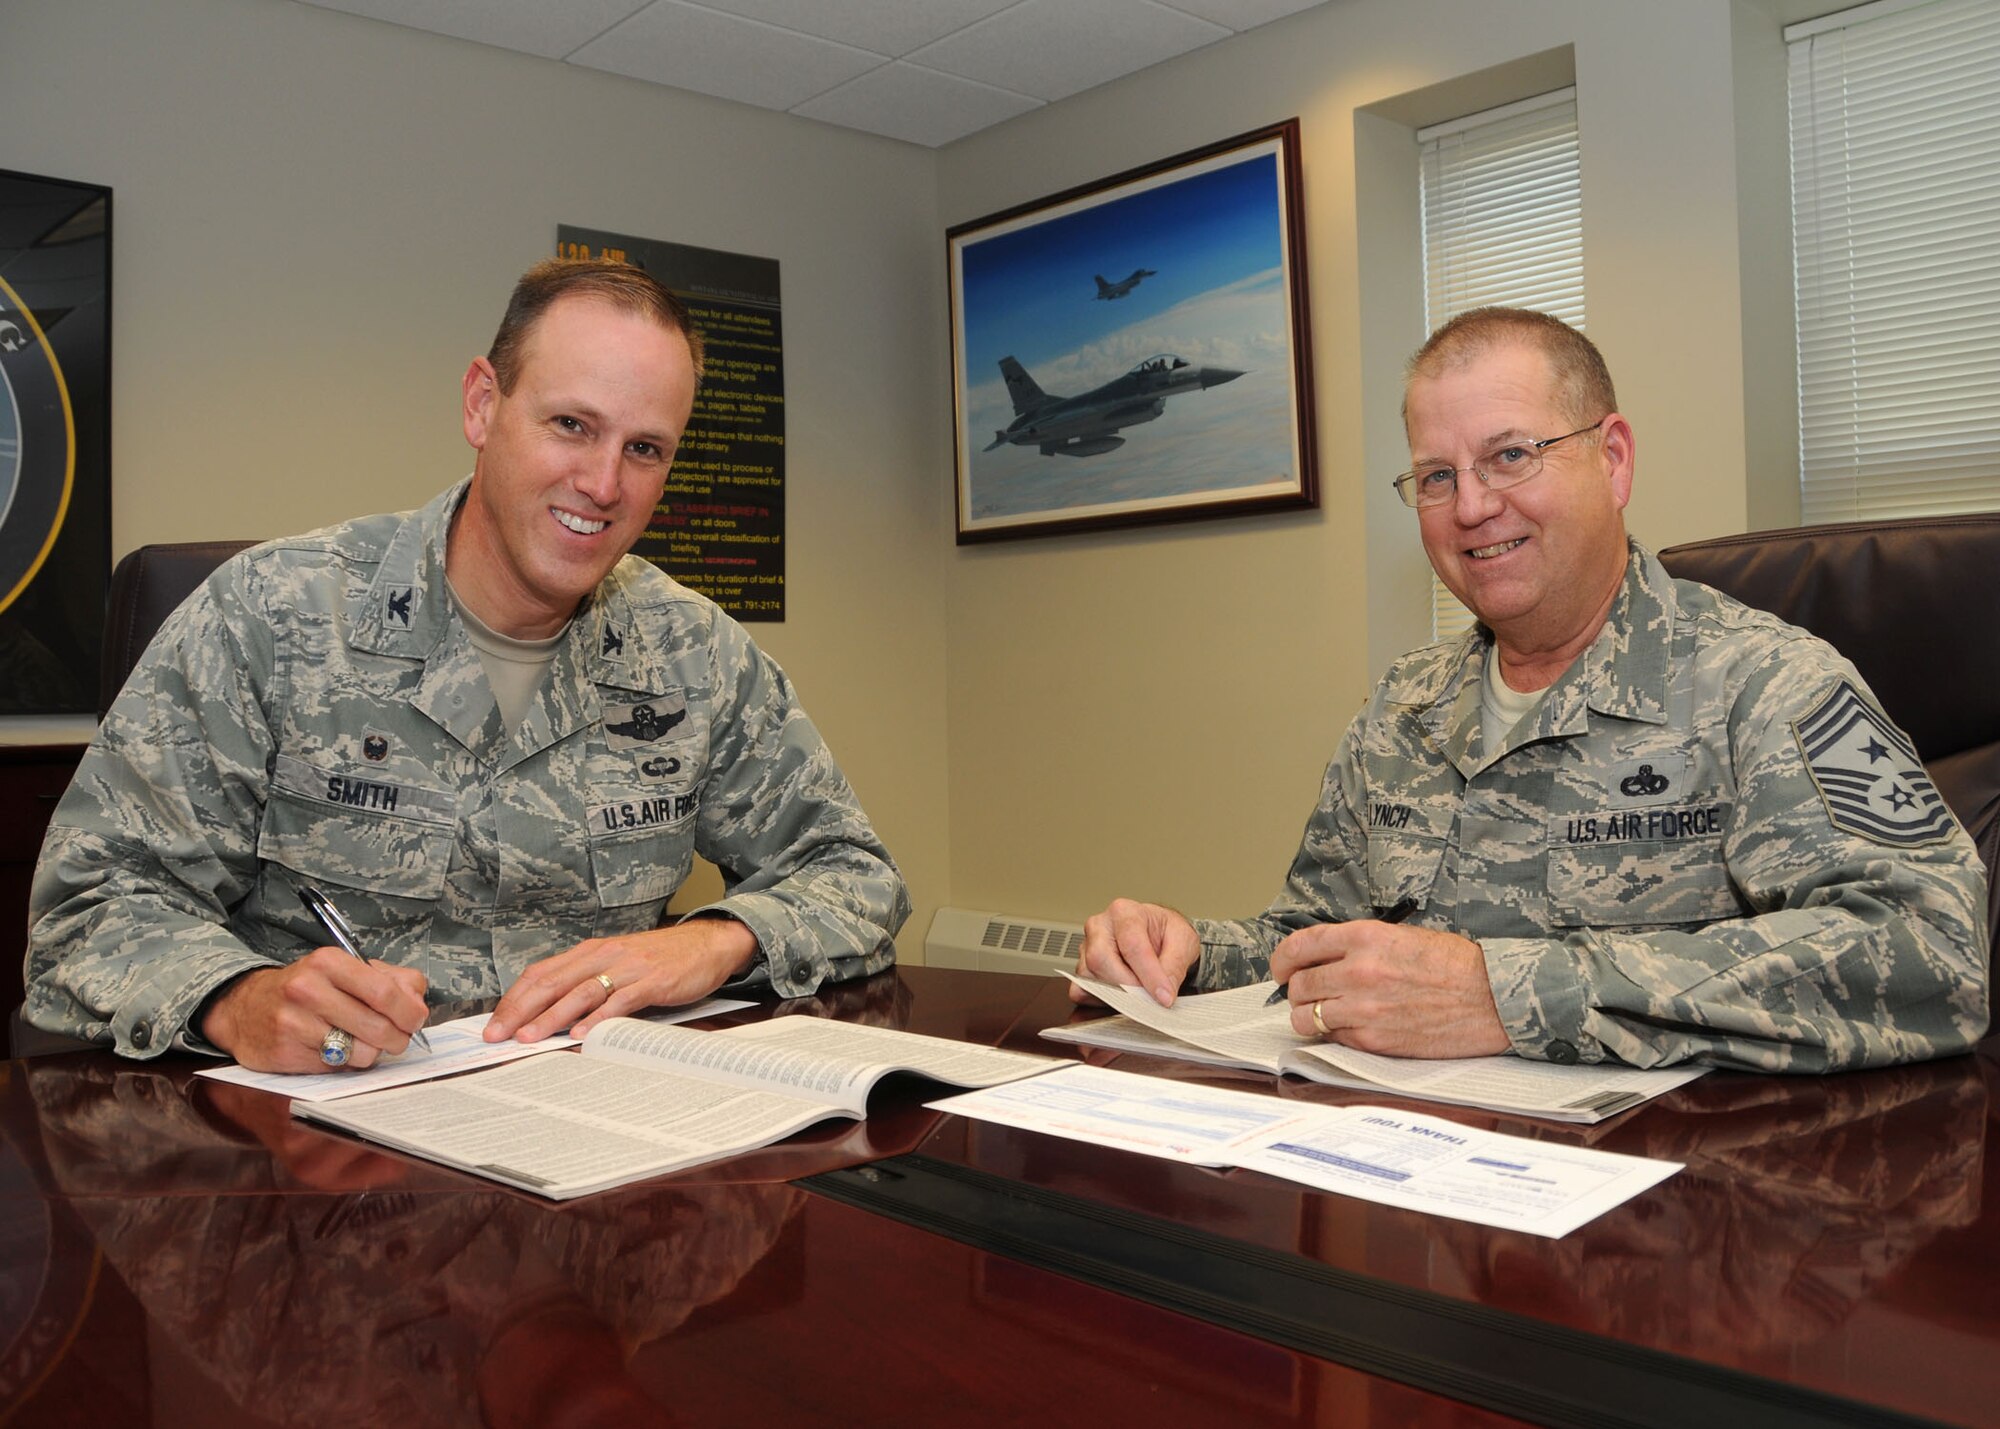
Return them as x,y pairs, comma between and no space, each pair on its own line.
174,1251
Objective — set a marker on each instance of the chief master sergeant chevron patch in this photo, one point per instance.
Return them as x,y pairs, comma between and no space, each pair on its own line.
1868,773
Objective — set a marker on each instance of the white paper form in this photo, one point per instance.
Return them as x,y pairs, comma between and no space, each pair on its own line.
1417,1162
1181,1122
1235,1028
456,1046
838,1063
1235,1023
1430,1164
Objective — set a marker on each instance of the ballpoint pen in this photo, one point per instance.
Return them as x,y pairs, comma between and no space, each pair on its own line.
322,908
1395,915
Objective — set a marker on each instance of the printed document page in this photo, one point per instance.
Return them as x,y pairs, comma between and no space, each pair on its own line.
1235,1025
1203,1126
565,1126
644,1099
1506,1082
455,1047
1235,1028
833,1062
1430,1164
1417,1162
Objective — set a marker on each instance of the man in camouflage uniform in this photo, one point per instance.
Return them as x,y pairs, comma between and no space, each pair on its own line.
1626,818
494,740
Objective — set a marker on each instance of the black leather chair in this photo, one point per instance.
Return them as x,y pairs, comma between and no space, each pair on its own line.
1915,604
147,587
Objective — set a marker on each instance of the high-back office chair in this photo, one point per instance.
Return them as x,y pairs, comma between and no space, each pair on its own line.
147,586
1915,604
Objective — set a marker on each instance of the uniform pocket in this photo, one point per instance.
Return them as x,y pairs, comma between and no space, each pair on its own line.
641,847
1641,881
1402,868
382,838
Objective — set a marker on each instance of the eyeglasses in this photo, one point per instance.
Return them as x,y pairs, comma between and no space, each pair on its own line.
1499,469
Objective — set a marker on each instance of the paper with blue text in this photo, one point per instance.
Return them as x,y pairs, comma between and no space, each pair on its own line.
1395,1158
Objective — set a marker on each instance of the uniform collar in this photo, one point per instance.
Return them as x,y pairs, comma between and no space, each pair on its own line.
606,650
609,643
405,610
1623,673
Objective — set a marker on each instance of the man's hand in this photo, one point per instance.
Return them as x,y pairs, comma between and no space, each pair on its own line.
1137,945
274,1019
1391,989
664,967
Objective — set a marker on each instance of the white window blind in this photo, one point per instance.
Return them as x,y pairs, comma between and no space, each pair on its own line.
1503,224
1895,117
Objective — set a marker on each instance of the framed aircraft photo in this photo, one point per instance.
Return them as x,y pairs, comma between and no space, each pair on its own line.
1136,350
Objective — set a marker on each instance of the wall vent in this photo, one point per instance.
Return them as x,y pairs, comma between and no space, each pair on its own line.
1001,942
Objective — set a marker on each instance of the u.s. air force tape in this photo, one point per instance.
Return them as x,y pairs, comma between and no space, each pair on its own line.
1868,773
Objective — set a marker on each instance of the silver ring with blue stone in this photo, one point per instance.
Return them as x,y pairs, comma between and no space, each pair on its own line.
335,1048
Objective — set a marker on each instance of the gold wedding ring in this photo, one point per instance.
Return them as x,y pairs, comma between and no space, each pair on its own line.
1319,1022
604,980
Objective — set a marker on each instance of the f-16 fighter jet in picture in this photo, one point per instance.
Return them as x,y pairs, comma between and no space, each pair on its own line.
1124,285
1083,426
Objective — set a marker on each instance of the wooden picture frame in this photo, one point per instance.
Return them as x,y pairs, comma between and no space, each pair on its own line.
1136,350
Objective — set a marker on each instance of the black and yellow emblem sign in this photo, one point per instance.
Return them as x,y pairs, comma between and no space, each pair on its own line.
55,441
37,446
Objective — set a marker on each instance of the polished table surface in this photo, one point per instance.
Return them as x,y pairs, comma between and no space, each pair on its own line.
173,1250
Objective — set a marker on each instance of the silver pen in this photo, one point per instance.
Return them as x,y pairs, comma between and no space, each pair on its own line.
336,926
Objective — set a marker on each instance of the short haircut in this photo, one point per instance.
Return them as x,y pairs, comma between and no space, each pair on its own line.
632,289
1583,382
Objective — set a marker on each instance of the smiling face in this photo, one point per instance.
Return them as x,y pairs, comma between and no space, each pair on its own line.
1539,563
571,462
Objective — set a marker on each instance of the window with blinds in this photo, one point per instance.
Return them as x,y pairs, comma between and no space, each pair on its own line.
1895,119
1503,224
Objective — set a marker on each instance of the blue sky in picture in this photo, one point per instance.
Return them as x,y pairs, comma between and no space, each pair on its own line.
1217,297
1030,293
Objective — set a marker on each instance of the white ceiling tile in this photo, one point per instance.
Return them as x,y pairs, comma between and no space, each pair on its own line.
888,27
971,62
533,27
1241,15
920,106
1055,48
692,47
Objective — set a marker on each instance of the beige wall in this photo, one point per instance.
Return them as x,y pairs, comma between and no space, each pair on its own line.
317,216
317,221
1148,714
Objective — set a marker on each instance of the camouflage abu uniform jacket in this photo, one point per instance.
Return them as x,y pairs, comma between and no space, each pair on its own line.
1703,844
316,711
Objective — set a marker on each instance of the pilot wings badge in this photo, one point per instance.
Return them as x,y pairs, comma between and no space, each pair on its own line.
1868,773
636,726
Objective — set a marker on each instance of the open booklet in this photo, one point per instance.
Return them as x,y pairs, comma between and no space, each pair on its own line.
1235,1029
642,1100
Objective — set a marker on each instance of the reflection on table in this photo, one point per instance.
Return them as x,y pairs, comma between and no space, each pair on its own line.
171,1246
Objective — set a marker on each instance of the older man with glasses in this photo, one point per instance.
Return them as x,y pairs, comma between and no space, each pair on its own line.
1624,819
